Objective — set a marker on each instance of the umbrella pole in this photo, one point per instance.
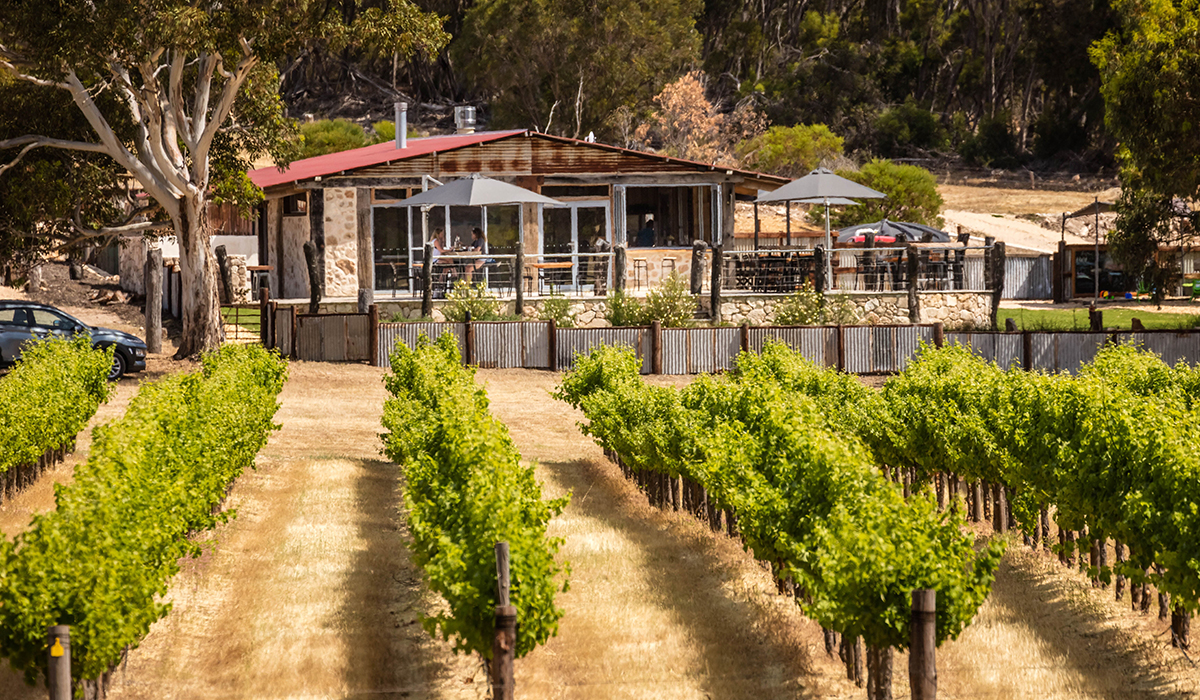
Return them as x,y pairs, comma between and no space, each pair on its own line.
829,250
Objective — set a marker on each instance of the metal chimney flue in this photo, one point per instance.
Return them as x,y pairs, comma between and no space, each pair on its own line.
464,120
401,125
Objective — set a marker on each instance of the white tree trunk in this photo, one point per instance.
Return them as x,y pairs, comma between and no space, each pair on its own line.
202,326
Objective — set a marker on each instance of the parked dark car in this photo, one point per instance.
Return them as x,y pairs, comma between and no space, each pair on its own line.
22,320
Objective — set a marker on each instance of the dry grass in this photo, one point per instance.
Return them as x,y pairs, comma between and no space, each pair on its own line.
1000,200
1046,633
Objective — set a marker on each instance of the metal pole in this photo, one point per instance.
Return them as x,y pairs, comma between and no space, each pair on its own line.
829,249
58,672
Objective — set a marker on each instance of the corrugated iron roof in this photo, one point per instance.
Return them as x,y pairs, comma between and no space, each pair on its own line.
334,163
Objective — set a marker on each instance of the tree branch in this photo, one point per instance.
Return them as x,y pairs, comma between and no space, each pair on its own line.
32,142
16,73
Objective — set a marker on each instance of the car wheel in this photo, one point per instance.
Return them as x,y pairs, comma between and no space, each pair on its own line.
118,366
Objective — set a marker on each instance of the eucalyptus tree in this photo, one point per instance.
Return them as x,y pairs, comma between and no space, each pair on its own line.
183,95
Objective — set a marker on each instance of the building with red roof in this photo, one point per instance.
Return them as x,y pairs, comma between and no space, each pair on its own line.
346,205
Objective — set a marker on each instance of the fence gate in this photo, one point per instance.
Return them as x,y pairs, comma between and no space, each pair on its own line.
333,337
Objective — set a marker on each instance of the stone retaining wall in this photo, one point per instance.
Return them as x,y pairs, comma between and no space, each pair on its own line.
956,310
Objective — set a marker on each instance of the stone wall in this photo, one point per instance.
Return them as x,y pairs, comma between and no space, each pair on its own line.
341,242
956,310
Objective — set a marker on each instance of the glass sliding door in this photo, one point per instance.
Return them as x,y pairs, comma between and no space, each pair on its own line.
390,233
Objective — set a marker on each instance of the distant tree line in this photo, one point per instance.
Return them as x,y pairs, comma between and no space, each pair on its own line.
1002,82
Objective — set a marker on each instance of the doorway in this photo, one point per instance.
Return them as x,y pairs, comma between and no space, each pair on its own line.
572,230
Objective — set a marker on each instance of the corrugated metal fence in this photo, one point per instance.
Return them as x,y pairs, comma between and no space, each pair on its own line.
855,349
1066,351
1024,278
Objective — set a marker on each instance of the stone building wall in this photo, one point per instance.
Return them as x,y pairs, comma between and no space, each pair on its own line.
957,310
341,242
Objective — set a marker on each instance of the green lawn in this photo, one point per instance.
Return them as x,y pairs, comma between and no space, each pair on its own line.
1077,319
246,318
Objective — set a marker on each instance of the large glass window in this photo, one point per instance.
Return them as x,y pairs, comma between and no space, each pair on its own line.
503,229
391,247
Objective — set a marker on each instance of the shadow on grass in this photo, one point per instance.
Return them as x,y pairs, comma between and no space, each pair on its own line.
391,654
1047,604
745,647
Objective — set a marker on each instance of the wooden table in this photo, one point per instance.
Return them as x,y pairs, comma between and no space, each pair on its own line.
541,267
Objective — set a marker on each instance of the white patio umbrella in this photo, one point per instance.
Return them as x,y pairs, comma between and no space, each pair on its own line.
477,191
822,186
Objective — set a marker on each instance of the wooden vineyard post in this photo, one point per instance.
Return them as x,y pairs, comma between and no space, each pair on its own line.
504,645
468,339
922,660
552,345
264,318
58,671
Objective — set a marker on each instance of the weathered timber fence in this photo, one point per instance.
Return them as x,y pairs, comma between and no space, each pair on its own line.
875,349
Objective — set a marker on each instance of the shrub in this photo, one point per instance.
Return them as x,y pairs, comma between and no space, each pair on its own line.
557,309
672,302
805,307
330,136
992,145
474,298
800,308
790,151
911,191
624,309
906,129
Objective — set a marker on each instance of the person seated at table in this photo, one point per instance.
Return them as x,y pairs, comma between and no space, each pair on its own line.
442,267
645,236
478,247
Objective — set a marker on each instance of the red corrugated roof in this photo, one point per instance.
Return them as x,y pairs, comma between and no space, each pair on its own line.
333,163
322,166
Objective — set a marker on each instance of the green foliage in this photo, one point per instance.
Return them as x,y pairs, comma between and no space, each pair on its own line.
805,307
466,490
386,131
992,145
557,309
800,308
49,396
1147,221
624,309
331,136
790,151
570,67
1110,451
911,191
907,129
101,561
475,299
1151,75
671,302
776,444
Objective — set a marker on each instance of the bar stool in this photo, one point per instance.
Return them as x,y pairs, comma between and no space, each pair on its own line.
641,271
663,267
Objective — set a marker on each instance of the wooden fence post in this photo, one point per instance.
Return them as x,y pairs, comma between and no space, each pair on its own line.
58,671
620,262
468,340
154,292
998,263
697,271
922,660
819,267
656,347
223,270
427,284
745,337
939,334
264,318
714,291
314,278
552,345
373,315
292,350
841,348
505,642
1027,350
913,271
518,279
